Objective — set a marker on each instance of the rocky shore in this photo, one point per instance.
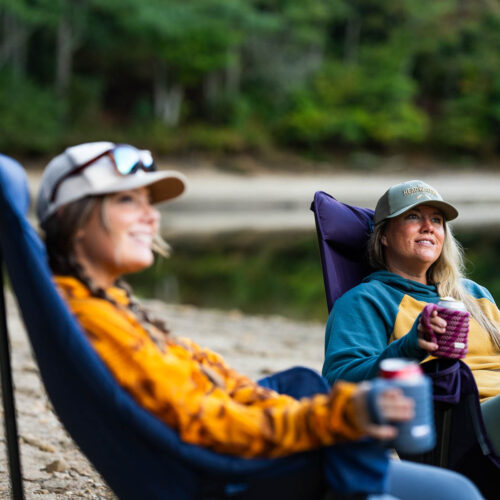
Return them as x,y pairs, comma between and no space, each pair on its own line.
54,468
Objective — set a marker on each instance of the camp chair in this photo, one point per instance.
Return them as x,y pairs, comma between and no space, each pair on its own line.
137,454
462,442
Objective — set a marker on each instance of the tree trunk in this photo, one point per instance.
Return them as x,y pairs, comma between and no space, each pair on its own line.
352,36
223,83
233,73
64,54
13,48
167,98
211,88
72,25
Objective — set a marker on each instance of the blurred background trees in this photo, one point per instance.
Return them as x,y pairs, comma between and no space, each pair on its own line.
251,75
360,78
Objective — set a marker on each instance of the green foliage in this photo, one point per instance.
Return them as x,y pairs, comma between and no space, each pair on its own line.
162,139
216,139
482,248
345,73
30,117
346,105
465,124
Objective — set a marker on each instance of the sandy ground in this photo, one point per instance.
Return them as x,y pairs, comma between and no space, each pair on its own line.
271,201
54,468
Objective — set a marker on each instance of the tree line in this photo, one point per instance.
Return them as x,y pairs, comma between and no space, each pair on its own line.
247,75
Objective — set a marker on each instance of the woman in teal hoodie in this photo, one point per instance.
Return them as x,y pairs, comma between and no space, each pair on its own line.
417,261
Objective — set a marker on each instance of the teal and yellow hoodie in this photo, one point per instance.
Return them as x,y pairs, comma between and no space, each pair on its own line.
378,319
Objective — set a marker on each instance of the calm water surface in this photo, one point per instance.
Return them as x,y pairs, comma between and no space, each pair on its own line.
274,273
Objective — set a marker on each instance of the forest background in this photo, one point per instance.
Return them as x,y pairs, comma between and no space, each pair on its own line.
345,82
314,76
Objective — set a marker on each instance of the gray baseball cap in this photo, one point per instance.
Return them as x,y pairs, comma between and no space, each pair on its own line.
59,186
401,197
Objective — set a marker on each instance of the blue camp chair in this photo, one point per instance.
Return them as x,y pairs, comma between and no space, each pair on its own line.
462,442
138,455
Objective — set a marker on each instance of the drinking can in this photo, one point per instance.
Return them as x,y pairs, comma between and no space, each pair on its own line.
453,343
416,435
451,303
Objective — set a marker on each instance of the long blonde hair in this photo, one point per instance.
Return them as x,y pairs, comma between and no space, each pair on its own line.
447,273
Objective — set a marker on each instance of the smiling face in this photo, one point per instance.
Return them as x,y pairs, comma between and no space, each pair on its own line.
413,241
118,236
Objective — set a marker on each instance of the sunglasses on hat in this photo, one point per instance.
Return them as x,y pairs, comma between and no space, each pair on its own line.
125,159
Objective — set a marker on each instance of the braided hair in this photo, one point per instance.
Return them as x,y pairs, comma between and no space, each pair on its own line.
60,231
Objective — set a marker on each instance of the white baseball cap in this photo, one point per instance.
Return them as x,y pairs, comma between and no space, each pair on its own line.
96,168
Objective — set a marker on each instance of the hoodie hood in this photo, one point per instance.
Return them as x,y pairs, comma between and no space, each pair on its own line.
417,290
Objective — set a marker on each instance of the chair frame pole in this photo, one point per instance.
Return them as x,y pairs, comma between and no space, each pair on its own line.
8,401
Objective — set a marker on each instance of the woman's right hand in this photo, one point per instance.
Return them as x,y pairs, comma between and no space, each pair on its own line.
394,407
438,326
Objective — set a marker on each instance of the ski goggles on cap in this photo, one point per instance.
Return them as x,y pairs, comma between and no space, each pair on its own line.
125,159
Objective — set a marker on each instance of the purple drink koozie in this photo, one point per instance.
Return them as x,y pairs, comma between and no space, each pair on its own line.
452,343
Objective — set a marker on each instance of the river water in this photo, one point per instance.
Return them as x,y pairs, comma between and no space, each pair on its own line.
248,242
274,273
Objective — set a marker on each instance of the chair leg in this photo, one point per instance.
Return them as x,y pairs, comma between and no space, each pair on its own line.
8,402
444,452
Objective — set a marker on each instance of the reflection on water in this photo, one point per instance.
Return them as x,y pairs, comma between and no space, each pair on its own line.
482,252
278,273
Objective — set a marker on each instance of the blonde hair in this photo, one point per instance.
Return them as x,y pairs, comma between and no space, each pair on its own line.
447,273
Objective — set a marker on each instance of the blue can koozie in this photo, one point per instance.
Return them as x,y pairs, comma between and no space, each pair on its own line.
416,435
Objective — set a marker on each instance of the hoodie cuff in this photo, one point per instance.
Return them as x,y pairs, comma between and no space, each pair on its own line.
407,346
409,343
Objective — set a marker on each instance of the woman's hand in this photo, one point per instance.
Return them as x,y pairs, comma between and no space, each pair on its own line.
394,406
438,326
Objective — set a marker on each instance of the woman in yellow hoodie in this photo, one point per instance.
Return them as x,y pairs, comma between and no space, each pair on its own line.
95,206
